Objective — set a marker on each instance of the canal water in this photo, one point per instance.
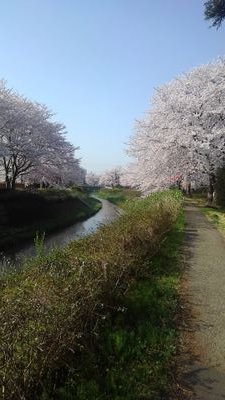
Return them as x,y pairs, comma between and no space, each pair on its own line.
105,215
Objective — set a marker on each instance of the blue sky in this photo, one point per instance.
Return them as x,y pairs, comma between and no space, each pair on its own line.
95,63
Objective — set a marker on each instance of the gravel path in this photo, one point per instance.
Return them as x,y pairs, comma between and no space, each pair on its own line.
203,347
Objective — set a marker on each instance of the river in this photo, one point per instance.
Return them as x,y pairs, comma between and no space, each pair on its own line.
15,255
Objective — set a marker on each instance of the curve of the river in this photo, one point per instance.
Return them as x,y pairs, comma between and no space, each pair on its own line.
105,215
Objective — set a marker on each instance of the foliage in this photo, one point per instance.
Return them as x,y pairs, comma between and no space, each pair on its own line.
217,217
39,244
32,146
182,135
111,178
215,11
132,359
92,179
53,311
118,196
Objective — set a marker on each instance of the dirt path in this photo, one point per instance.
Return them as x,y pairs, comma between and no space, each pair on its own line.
202,356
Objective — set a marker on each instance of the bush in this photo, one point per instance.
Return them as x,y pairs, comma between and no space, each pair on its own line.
52,312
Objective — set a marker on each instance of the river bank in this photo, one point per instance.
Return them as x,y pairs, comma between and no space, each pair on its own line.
96,318
15,256
117,195
23,214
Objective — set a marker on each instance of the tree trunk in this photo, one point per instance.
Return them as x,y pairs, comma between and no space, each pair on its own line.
7,173
211,191
13,183
189,193
10,183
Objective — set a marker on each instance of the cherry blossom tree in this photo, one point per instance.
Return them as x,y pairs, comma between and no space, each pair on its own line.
110,177
130,176
92,179
61,173
183,132
31,144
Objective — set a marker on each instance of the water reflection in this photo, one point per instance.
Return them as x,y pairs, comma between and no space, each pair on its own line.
15,255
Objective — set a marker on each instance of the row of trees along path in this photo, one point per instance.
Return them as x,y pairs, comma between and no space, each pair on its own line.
202,350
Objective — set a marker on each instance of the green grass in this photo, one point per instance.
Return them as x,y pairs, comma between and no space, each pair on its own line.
215,214
118,195
23,213
96,320
217,217
134,357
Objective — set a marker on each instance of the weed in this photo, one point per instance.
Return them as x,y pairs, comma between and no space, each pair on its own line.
39,244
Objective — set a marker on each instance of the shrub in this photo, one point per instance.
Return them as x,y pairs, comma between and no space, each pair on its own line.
52,311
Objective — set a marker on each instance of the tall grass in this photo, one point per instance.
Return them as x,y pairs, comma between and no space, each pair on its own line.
118,195
53,311
217,217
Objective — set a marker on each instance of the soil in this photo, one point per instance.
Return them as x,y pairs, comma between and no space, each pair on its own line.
201,358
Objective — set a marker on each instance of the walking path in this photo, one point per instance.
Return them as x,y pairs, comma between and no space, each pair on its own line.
203,346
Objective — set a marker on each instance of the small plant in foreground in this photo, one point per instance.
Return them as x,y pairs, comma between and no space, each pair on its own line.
39,244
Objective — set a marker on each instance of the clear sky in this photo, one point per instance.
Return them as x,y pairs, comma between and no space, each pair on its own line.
96,62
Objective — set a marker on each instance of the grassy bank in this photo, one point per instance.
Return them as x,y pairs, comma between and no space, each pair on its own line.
134,354
118,195
96,319
215,214
24,213
217,217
